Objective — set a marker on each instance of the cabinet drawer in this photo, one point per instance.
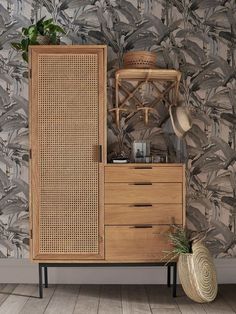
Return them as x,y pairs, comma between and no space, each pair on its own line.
143,173
129,243
126,193
153,214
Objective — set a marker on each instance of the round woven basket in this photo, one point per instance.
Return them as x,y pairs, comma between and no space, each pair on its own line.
140,59
197,274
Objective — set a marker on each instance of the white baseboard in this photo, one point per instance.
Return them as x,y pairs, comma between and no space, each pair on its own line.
23,271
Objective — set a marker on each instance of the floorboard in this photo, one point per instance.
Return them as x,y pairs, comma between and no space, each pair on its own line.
218,306
186,305
88,300
19,296
36,305
166,311
135,300
5,291
228,293
160,297
63,300
110,299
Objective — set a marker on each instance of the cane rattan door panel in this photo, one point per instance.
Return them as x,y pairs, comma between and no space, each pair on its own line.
66,129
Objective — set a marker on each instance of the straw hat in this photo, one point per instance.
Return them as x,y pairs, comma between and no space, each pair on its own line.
180,119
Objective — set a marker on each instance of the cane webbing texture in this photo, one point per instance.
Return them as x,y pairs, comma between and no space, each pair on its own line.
68,126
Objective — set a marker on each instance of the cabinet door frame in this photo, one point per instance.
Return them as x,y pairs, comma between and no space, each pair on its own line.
34,202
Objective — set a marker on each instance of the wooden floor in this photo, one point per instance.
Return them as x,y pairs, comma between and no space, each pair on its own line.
109,299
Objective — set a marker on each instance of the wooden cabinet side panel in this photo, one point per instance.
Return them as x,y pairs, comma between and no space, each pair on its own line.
33,137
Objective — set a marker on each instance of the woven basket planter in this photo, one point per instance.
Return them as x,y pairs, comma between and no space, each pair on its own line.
140,59
197,274
43,40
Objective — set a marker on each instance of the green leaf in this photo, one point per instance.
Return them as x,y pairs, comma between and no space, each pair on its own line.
53,38
32,29
51,28
40,22
40,26
41,30
16,46
33,41
33,36
33,33
47,22
25,31
59,29
25,44
25,56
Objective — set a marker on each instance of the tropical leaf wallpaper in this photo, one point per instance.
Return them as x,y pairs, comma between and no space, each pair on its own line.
198,37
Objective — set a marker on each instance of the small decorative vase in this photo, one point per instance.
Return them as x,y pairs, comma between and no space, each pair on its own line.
43,40
197,274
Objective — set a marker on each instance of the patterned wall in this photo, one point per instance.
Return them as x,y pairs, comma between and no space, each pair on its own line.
198,37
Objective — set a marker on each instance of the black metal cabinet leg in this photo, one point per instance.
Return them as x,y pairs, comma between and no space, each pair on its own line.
168,275
45,276
40,282
174,280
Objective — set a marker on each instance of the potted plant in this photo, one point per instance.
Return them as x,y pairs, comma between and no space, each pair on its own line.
196,269
44,32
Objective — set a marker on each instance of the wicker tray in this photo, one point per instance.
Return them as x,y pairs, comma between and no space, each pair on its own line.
140,59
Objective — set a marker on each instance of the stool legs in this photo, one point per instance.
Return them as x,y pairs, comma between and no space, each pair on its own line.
174,280
169,278
168,275
45,276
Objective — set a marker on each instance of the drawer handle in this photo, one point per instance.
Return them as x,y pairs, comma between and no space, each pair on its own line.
142,205
141,183
142,167
141,226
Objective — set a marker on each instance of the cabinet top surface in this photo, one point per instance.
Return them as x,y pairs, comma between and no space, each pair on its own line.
59,48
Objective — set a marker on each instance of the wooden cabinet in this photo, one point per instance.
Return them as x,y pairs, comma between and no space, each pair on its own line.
82,208
141,202
67,121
